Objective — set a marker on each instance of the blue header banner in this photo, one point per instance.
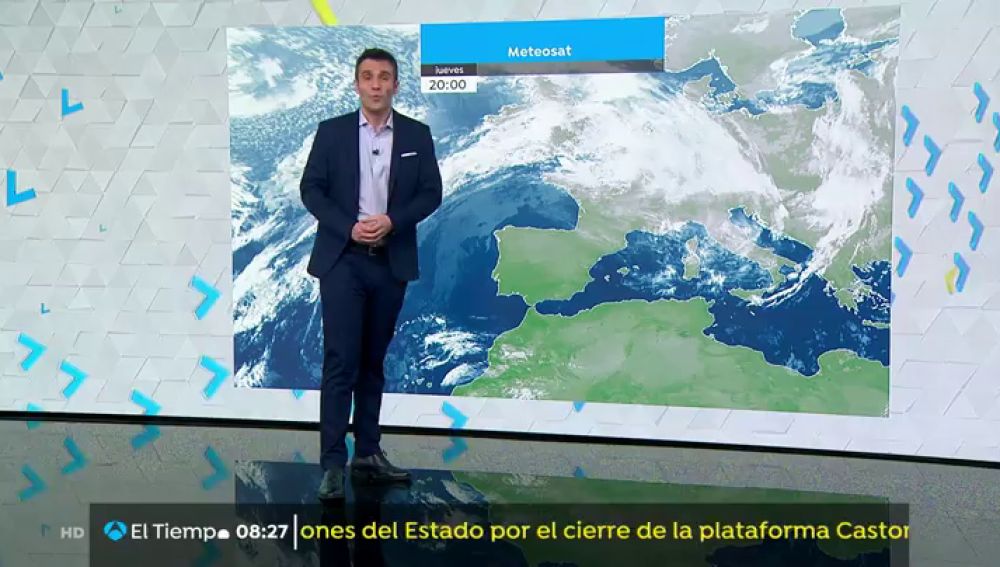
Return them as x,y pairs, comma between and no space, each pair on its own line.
540,41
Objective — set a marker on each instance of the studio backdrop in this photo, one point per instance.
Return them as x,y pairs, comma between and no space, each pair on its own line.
767,227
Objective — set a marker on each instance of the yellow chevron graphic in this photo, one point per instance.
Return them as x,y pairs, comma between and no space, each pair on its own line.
949,279
326,15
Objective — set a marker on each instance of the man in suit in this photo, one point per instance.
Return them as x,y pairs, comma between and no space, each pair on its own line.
371,176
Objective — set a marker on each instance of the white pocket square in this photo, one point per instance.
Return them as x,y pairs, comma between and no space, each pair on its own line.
408,154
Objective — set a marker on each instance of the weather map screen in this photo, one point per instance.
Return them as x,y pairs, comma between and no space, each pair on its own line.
670,211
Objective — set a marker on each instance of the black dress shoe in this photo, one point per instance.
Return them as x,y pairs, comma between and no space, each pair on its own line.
332,487
377,469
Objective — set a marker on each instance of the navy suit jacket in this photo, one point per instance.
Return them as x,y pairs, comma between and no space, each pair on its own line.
331,183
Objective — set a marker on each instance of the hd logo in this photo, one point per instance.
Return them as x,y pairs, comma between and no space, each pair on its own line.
72,532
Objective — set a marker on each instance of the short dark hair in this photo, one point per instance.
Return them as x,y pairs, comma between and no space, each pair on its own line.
377,54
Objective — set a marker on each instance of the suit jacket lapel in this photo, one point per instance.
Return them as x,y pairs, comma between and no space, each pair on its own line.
398,133
353,135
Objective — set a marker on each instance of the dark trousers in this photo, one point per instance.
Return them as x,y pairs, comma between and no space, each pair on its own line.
361,300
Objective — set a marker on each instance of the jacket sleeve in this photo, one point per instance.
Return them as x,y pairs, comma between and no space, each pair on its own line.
316,184
428,193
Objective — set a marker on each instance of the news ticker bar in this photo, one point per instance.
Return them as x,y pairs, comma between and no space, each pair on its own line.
255,534
453,56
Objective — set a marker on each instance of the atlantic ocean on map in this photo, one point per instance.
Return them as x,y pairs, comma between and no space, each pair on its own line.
713,235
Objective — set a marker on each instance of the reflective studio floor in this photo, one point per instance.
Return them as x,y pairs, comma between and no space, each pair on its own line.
50,472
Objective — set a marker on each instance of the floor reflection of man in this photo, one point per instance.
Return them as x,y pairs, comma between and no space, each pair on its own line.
363,510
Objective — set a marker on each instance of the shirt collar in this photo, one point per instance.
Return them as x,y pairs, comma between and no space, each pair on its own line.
362,121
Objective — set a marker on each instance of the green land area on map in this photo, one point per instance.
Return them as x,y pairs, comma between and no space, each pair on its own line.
655,353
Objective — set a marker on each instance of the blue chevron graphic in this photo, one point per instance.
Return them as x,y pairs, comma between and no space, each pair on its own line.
977,230
457,448
149,406
78,378
211,296
298,458
33,408
68,108
918,197
79,459
37,484
963,271
219,375
15,197
987,167
577,406
996,123
984,101
221,472
958,199
579,473
904,256
37,350
911,125
458,419
149,434
298,394
934,154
